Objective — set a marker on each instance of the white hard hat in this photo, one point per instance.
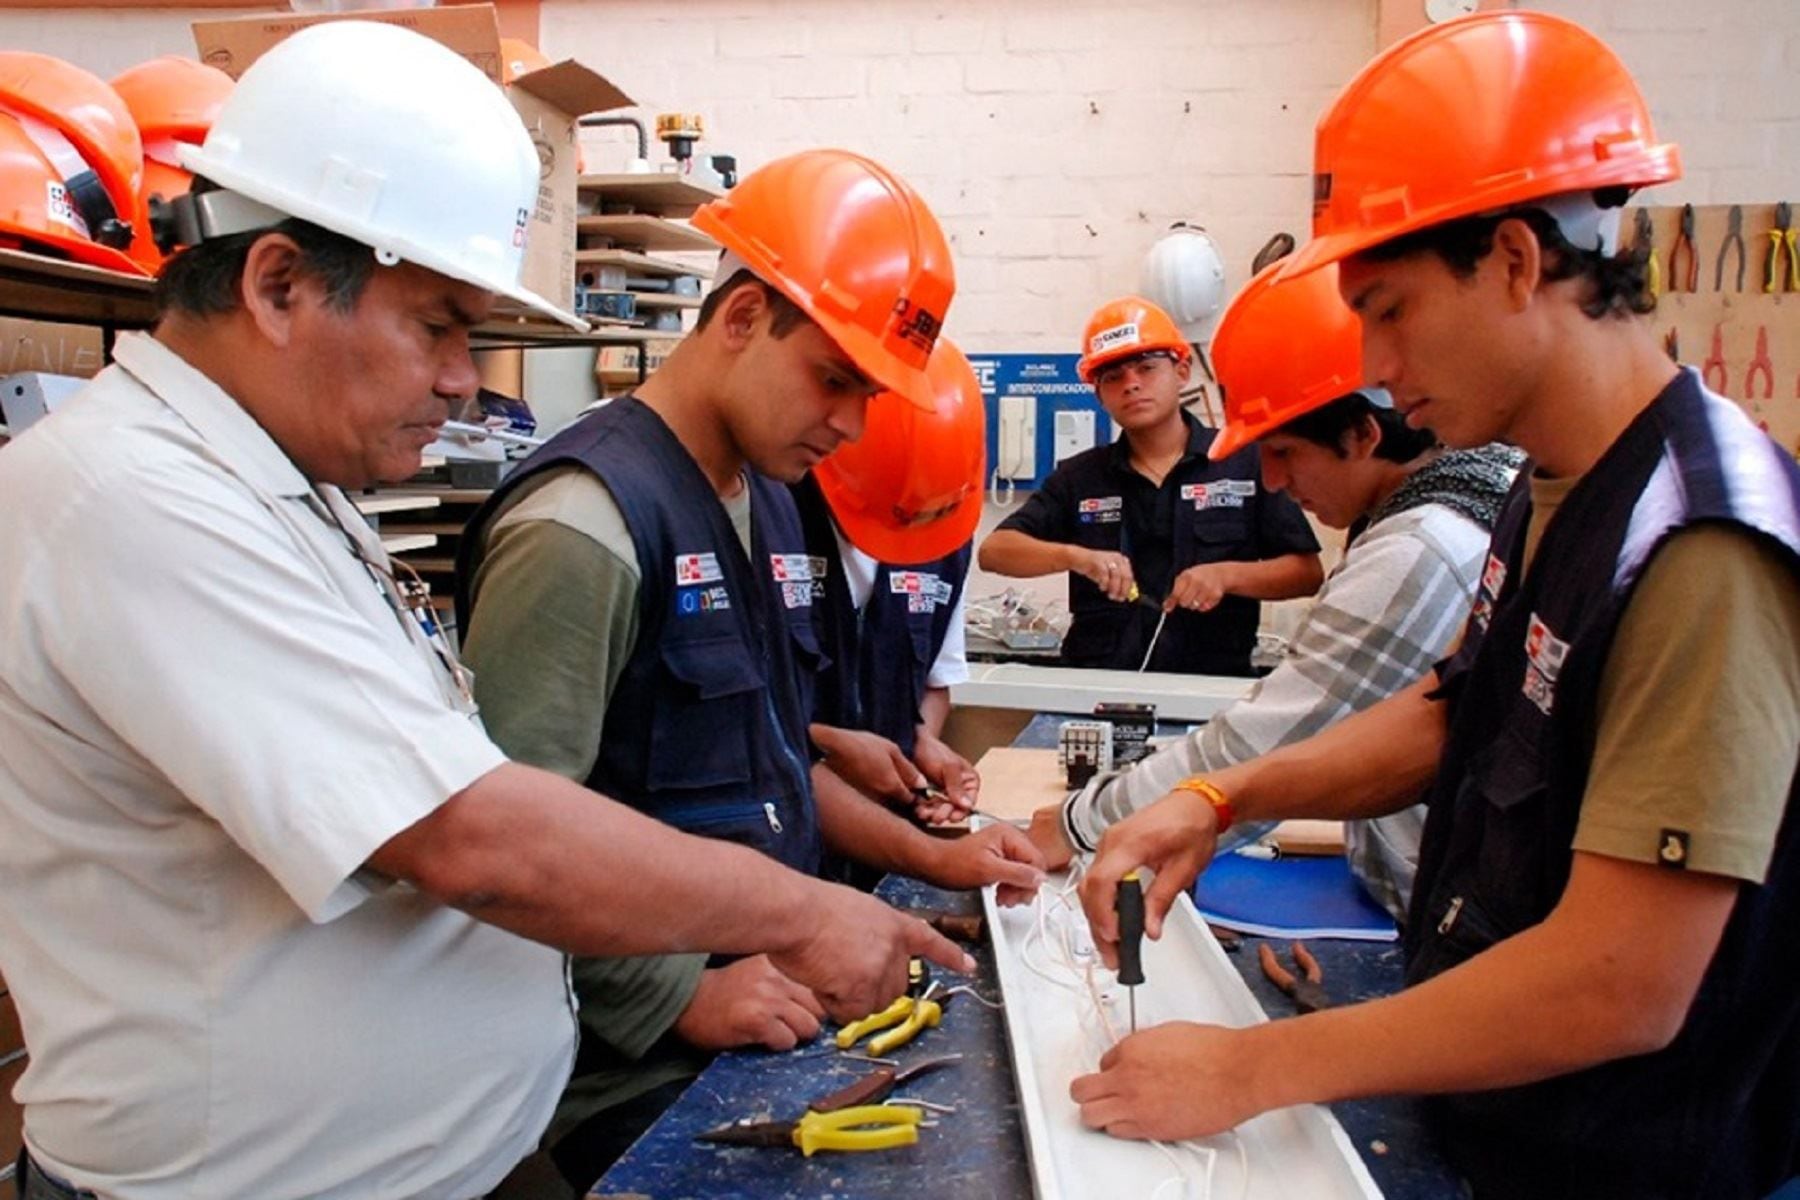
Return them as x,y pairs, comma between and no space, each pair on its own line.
385,136
1184,276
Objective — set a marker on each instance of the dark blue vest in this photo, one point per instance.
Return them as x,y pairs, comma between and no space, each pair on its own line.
707,726
1214,520
880,655
1716,1113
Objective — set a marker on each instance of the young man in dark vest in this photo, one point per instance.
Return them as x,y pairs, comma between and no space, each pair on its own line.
637,601
1603,935
889,522
1202,540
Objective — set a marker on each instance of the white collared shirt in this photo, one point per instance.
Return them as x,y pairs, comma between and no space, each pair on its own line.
210,717
951,666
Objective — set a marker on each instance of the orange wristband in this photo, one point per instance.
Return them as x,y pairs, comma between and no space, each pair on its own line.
1209,792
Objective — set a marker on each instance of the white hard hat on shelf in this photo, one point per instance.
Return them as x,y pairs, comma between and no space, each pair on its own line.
387,137
1184,276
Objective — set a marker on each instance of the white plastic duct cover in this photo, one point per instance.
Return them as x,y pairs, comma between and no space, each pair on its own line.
1184,276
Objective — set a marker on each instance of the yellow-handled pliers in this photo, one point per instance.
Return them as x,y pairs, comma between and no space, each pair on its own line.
869,1127
926,1013
1783,237
917,984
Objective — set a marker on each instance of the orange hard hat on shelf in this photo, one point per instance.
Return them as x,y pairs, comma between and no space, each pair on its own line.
1480,113
1283,348
909,490
855,248
85,133
173,100
35,213
519,57
1125,328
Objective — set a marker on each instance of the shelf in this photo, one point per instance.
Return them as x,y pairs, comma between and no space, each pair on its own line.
661,195
386,502
639,262
642,232
38,288
400,543
445,495
665,300
435,528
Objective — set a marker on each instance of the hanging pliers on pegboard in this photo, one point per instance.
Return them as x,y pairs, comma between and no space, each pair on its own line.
1734,236
1644,237
1781,238
1684,280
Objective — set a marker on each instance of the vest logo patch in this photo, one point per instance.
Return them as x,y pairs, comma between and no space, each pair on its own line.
1545,653
923,590
692,601
1493,578
792,568
1100,510
697,568
797,593
1220,493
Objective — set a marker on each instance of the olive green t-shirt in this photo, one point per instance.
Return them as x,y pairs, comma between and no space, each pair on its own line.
1699,702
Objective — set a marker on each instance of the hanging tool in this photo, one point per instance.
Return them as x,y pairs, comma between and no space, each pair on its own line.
1783,237
872,1127
1672,345
1715,361
1305,988
878,1084
1688,280
1734,236
1643,234
1760,364
1128,901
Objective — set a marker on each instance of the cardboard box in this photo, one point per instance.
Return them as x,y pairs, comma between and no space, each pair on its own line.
50,347
548,101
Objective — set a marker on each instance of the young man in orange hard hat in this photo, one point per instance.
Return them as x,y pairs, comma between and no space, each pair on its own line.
638,604
1601,949
1288,354
890,522
1153,533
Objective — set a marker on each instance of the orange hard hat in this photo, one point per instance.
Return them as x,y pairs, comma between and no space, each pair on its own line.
173,100
856,248
1125,328
85,132
909,490
1283,348
1480,113
35,211
519,57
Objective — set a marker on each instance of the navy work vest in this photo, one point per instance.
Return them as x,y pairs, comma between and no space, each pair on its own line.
1215,507
707,727
879,656
1717,1112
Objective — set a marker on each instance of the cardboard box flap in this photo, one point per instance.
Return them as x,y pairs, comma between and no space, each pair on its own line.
573,89
472,30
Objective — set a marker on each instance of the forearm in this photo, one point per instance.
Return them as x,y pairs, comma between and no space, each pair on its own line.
551,861
1009,552
934,710
1281,578
858,828
1368,765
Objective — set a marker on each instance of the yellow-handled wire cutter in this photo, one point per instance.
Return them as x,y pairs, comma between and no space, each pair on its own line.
868,1127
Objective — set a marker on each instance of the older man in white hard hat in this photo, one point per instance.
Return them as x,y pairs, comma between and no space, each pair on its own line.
279,918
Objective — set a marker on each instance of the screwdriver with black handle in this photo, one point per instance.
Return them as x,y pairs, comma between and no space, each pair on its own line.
1129,904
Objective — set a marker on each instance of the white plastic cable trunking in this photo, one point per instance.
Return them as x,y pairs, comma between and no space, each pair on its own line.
1292,1152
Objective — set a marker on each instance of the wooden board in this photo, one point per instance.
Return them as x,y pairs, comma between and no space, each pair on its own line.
640,232
1734,318
401,543
1016,782
664,195
1321,838
638,262
388,502
665,300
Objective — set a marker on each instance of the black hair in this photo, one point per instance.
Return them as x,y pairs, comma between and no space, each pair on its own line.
786,316
1328,427
1617,285
204,280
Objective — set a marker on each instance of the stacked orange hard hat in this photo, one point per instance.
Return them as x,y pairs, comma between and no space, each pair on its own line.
853,246
1126,328
1476,115
909,490
73,161
173,101
1284,348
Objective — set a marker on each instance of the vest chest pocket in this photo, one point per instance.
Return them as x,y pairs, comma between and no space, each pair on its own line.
1214,535
705,713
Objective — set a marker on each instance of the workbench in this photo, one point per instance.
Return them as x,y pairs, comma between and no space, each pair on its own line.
980,1151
